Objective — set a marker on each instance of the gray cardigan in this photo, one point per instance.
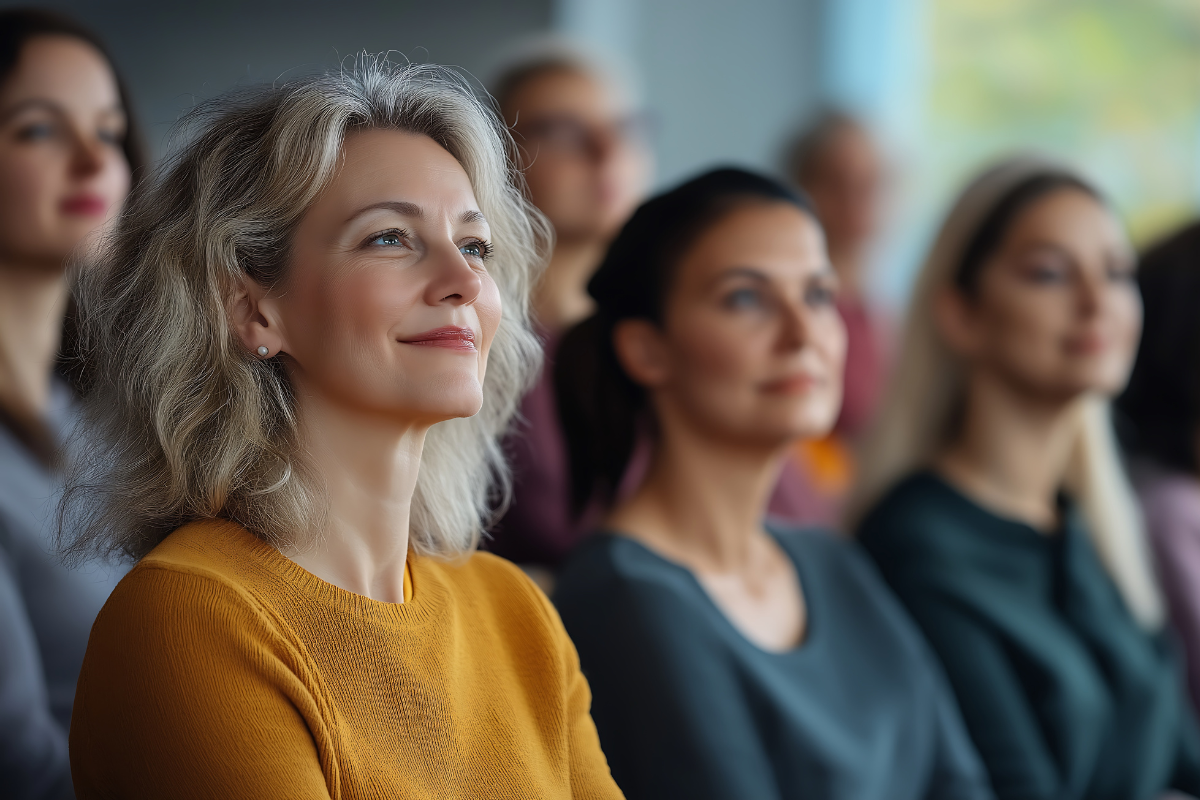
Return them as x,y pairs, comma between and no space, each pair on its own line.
46,614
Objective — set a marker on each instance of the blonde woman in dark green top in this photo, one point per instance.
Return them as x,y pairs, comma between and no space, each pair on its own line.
993,501
728,659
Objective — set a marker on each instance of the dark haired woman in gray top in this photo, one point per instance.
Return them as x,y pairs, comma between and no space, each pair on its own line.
67,154
729,659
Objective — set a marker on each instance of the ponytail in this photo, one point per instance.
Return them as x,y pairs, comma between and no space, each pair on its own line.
600,409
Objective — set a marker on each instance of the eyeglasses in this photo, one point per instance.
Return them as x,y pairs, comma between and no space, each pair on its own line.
572,136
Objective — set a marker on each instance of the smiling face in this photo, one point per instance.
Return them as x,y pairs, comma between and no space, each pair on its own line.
1056,312
388,308
752,346
63,174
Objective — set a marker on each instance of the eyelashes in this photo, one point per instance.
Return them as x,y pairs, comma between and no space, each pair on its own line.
485,248
480,249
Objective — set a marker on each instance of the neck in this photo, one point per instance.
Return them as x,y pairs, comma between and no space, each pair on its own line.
369,471
561,297
32,304
1013,451
703,500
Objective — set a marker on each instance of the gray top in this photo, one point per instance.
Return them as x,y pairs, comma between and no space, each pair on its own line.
46,614
686,706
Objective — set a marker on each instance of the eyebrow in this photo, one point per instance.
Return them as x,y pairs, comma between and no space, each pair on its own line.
826,270
407,209
48,105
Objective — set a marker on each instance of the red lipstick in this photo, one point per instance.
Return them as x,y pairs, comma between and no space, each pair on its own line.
85,205
449,337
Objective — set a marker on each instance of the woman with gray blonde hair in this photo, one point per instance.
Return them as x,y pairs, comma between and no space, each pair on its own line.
994,502
303,345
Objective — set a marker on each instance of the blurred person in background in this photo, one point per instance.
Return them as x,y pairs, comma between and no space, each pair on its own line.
1160,417
68,151
587,164
993,499
728,658
303,345
837,163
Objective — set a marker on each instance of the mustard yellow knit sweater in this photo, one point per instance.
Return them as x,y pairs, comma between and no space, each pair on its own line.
219,668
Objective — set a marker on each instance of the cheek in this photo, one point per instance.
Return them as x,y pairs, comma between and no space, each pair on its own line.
1127,318
716,352
115,182
1026,325
555,182
488,308
351,313
29,183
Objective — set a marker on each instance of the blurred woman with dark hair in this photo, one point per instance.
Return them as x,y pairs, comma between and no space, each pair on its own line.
726,658
68,153
993,499
1161,410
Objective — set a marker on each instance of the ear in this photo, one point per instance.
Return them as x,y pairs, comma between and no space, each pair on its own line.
642,352
255,319
955,320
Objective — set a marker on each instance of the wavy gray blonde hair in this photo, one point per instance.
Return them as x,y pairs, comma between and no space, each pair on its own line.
181,422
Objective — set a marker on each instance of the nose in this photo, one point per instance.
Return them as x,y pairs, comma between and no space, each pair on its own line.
602,145
87,156
796,327
1091,292
452,280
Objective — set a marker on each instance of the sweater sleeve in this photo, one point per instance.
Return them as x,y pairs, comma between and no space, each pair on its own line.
1004,728
590,776
187,692
33,746
671,717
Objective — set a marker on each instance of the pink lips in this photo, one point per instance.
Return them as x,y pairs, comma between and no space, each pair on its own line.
450,337
85,205
792,384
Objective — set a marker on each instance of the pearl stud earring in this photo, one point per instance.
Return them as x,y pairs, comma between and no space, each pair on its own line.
263,350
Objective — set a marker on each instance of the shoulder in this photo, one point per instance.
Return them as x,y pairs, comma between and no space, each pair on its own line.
612,567
196,584
921,517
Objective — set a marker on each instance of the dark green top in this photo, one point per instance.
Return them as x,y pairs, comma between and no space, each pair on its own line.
687,707
1065,695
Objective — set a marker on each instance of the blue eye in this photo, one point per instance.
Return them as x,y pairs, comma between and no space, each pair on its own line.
743,298
477,249
820,296
37,132
389,239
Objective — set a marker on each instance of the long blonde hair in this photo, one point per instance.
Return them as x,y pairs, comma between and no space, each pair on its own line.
925,400
180,421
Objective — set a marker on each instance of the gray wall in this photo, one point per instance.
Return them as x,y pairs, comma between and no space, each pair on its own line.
728,80
173,52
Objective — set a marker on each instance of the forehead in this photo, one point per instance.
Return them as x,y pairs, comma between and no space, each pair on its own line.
564,90
775,238
1067,217
64,69
397,166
